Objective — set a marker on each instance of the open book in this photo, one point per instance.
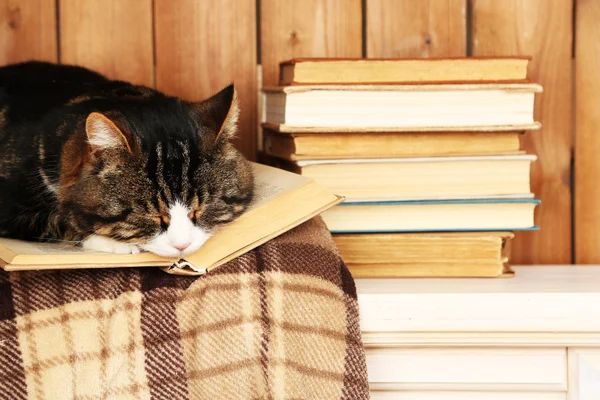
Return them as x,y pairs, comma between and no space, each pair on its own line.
282,201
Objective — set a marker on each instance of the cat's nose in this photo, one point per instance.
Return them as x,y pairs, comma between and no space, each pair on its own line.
182,246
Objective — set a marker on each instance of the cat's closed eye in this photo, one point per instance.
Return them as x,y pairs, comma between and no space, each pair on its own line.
195,214
162,219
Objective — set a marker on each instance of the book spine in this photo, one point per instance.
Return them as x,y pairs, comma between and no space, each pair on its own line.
182,267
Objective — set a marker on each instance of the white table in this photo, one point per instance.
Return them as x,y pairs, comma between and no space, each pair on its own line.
532,337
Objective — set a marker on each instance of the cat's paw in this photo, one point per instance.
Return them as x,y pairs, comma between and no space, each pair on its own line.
108,245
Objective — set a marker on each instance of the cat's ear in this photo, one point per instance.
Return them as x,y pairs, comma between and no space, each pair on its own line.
220,113
103,134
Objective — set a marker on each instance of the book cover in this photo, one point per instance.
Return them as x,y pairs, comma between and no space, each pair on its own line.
501,214
303,71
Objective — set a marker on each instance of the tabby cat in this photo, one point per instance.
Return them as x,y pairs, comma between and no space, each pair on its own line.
113,166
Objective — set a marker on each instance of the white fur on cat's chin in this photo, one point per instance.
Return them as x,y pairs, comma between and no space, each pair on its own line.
181,231
161,244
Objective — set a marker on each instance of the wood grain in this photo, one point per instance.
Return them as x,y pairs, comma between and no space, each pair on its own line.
27,31
416,28
587,127
308,28
113,37
543,30
201,47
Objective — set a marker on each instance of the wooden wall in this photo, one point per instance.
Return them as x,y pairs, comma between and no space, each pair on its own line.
193,48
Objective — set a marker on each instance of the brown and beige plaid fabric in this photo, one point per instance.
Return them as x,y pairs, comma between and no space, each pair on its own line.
280,322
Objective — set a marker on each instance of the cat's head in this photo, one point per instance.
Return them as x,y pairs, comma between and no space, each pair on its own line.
159,172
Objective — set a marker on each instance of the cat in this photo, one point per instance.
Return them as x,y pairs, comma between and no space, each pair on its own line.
115,167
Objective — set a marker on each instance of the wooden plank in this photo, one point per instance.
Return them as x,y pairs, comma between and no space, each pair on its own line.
113,37
416,28
587,127
543,30
27,31
202,46
308,28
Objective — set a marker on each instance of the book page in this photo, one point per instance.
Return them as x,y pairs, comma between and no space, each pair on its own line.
22,247
514,157
62,248
69,253
270,182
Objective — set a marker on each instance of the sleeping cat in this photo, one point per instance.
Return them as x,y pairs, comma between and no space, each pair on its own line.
113,166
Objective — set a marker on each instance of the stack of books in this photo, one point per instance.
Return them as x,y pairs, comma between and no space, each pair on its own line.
427,154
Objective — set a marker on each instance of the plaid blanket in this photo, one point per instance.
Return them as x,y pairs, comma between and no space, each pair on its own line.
280,322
